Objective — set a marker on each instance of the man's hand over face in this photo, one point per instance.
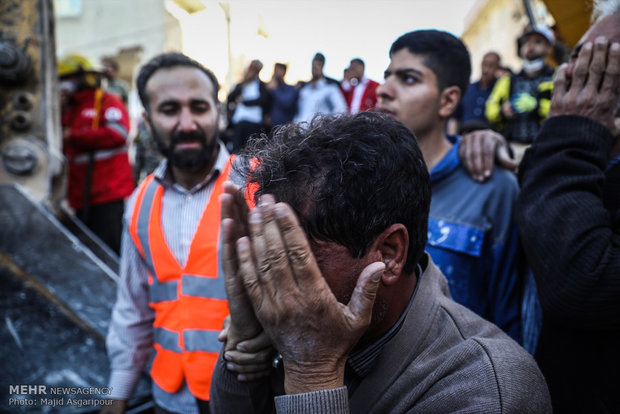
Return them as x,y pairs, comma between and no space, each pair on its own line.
243,324
252,359
296,307
590,86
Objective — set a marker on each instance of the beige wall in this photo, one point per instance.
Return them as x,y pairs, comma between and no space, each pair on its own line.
495,25
132,31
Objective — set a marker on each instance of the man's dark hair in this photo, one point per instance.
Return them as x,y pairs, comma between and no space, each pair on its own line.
319,57
281,66
348,178
167,61
357,60
443,53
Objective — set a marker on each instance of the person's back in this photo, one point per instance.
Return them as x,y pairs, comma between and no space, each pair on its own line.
569,211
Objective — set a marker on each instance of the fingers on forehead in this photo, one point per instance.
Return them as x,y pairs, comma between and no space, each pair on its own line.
299,252
613,62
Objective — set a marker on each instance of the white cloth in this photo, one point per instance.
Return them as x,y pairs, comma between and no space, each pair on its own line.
249,92
320,97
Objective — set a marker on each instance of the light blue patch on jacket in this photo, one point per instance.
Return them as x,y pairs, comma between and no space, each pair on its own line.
452,236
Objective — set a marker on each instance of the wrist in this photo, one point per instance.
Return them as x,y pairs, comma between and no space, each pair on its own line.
308,378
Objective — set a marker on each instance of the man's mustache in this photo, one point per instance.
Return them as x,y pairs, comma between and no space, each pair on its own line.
192,136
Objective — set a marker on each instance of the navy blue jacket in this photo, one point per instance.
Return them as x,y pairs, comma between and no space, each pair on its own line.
473,239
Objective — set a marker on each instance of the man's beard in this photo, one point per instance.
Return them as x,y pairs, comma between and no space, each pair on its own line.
190,159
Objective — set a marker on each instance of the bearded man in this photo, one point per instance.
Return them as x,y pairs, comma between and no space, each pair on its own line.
171,300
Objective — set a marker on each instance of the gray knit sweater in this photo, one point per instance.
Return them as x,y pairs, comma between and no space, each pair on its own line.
444,359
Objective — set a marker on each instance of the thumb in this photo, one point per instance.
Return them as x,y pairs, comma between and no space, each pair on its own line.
365,292
503,157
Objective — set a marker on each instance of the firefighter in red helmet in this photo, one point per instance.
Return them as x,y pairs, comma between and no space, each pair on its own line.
95,142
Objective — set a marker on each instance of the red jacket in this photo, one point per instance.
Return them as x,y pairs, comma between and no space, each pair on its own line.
102,132
369,96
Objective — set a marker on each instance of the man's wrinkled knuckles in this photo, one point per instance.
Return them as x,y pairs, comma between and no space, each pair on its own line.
299,255
272,260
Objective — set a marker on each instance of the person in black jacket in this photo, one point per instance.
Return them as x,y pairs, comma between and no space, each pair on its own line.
247,106
569,216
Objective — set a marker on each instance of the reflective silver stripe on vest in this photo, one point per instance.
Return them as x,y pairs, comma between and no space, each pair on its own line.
201,340
205,287
118,128
143,225
161,292
167,339
101,154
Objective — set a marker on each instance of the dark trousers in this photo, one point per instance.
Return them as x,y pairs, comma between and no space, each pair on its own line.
106,221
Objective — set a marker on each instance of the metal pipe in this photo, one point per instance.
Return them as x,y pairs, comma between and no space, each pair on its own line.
530,13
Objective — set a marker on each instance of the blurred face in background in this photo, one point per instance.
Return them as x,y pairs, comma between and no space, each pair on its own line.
534,46
490,65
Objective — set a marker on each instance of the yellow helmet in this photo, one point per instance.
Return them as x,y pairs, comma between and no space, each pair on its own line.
74,64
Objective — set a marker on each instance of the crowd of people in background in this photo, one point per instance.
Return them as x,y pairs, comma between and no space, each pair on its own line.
477,235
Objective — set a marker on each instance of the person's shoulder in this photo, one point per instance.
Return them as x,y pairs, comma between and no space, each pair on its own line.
112,99
474,357
515,371
332,81
492,357
503,177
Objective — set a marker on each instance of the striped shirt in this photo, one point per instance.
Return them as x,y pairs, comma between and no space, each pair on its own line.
130,336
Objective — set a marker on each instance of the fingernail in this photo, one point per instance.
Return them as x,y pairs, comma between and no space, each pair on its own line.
487,173
241,377
600,39
255,216
243,244
264,200
230,366
241,348
588,46
280,211
615,46
376,276
227,357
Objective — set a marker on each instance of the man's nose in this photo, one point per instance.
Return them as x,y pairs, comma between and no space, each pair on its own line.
384,91
186,121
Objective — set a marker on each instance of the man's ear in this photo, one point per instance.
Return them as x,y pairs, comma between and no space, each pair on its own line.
392,246
449,100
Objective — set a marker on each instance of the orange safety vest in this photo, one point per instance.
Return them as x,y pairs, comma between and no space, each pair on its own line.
189,302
